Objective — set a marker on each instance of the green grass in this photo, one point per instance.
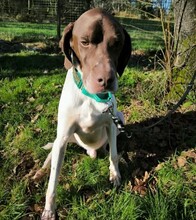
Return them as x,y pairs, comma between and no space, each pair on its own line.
157,164
30,63
26,32
28,121
146,34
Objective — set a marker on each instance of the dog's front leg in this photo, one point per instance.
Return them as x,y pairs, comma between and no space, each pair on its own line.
58,151
113,155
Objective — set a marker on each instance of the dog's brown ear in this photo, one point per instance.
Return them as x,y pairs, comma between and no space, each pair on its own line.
64,44
125,54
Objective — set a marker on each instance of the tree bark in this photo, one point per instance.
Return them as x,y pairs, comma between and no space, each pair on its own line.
184,31
184,51
58,19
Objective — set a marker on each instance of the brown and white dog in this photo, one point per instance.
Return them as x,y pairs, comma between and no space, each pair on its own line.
96,48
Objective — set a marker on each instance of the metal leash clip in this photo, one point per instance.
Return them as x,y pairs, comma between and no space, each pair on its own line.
109,108
119,124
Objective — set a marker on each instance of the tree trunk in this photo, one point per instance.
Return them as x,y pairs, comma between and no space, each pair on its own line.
183,73
184,31
58,19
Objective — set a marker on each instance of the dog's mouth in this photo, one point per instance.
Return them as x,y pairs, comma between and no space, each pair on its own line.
103,95
101,90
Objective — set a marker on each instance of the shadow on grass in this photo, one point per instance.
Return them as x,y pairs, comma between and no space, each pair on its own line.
150,146
146,61
29,65
16,65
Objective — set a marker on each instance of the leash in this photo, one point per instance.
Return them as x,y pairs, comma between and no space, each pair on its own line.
119,124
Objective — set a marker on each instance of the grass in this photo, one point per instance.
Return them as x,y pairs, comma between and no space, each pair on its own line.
28,121
26,32
157,164
144,37
146,34
30,63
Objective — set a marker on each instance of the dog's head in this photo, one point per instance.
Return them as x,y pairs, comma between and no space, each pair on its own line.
99,47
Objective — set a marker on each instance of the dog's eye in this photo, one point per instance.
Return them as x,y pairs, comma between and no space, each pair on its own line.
85,43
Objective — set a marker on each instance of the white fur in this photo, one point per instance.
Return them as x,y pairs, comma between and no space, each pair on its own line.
80,120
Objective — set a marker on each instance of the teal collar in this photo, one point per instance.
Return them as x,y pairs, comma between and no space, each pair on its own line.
101,97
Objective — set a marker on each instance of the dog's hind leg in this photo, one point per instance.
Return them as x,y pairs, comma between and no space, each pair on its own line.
45,168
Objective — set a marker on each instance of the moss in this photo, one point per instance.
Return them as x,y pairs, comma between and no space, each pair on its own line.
183,71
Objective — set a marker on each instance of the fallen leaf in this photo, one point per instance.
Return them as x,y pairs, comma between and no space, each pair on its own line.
34,119
189,153
37,130
38,208
39,107
142,190
146,177
31,99
138,181
159,166
181,161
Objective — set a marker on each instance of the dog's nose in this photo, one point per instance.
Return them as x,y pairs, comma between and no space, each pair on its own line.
105,82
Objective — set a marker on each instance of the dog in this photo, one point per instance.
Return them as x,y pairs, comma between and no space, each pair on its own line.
96,49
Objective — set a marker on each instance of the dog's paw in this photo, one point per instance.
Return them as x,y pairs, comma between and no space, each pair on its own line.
115,178
49,215
92,153
39,174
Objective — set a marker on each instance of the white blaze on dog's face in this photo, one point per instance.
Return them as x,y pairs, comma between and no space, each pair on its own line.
98,46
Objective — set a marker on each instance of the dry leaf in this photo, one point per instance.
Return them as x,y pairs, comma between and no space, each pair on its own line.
181,161
142,190
39,107
146,177
38,208
137,181
31,99
189,153
159,166
34,118
37,130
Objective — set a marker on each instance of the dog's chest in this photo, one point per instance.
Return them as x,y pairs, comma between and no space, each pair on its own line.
92,118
